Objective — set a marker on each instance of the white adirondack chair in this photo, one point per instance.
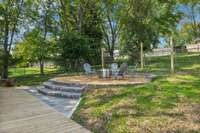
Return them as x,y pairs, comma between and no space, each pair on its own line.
123,70
114,70
88,69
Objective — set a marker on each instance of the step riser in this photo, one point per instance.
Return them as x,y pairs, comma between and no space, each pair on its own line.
65,84
59,95
64,89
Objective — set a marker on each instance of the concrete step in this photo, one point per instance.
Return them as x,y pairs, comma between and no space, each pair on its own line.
57,93
75,84
65,88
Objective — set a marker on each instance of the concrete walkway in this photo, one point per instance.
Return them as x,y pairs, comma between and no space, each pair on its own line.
21,112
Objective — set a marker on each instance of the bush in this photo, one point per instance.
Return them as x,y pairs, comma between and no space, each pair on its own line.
75,49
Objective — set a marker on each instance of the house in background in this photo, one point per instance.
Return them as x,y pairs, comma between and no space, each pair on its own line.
159,52
192,48
195,47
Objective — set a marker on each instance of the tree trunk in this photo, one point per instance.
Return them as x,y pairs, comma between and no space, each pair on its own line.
5,66
141,56
172,55
80,19
112,56
6,52
41,67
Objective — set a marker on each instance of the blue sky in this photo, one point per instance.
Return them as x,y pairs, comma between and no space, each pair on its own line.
186,10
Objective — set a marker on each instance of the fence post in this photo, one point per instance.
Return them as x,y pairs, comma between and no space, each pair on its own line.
172,55
102,57
142,56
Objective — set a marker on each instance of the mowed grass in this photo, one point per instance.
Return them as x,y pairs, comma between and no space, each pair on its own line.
170,103
183,62
31,76
14,72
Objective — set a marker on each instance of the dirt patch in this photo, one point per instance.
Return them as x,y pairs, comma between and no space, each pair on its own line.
94,80
184,118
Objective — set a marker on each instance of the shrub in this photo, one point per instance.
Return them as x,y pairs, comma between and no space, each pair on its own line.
75,49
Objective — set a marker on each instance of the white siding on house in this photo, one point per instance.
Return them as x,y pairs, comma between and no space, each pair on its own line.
193,47
159,52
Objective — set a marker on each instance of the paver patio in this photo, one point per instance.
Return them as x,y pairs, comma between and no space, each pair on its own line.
96,81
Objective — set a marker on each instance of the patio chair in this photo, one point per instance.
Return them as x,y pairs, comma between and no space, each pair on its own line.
88,69
123,70
114,70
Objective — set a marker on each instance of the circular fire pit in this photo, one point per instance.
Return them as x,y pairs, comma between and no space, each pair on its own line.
104,73
95,81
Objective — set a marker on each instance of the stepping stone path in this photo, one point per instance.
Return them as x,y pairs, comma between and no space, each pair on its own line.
60,89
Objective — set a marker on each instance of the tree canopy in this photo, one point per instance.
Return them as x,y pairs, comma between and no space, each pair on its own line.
77,30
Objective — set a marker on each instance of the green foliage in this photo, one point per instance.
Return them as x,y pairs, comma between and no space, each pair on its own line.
191,27
111,26
41,14
81,36
145,22
11,15
12,61
184,36
129,108
91,20
33,48
75,49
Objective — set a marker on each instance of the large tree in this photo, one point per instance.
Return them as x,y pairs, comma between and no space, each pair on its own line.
112,11
91,28
81,18
41,15
146,22
34,49
10,18
184,35
191,12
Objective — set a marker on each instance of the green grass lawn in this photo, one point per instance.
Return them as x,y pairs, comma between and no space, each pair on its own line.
14,72
170,103
183,62
31,76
